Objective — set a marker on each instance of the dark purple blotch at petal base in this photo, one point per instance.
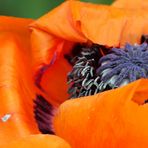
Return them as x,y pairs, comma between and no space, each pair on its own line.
43,113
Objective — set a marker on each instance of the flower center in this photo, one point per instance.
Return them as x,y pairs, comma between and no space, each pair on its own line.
83,80
92,72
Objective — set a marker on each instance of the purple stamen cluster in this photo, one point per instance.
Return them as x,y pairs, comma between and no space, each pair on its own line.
123,65
115,69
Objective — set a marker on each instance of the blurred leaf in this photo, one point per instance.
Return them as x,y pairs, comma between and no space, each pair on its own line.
27,8
33,8
99,1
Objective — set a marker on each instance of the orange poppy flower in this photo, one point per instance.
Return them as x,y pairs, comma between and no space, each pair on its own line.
114,118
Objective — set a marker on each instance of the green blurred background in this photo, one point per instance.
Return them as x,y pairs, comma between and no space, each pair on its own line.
33,8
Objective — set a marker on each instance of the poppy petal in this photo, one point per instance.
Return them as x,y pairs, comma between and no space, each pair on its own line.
105,27
131,4
115,118
18,26
112,26
38,141
54,81
17,90
14,24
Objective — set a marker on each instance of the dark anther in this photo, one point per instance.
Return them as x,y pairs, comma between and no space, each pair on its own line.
144,38
75,51
43,112
83,79
146,101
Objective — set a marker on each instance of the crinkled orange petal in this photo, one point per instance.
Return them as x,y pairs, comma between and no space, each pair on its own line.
38,141
50,62
76,22
79,22
18,26
112,119
17,89
111,26
131,4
